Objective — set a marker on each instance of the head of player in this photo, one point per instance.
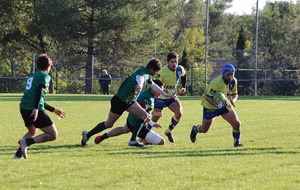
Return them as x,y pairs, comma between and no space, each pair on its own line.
228,73
44,63
154,66
172,59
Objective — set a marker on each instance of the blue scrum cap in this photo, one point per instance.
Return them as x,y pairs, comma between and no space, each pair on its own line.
228,68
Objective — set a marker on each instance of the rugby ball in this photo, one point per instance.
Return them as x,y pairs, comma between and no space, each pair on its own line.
219,97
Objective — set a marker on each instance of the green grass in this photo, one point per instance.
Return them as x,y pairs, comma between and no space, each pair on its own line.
270,158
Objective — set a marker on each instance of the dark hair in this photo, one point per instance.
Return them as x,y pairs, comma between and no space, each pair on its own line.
154,64
43,62
172,55
158,82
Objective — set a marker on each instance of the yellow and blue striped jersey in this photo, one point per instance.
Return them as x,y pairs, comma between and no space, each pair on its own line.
170,78
218,85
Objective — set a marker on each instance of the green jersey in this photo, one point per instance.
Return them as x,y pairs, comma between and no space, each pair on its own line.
146,98
28,99
126,91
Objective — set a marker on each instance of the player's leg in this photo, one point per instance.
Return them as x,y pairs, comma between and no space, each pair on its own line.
156,117
138,111
116,110
176,108
232,118
45,124
112,133
207,120
30,134
203,128
150,137
154,138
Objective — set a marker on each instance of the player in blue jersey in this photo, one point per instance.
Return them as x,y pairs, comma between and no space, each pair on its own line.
33,106
171,75
124,100
227,85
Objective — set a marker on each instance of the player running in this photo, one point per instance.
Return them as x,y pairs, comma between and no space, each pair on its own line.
225,83
170,75
146,100
32,108
124,100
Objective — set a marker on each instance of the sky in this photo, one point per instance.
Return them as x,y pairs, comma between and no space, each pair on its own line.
240,7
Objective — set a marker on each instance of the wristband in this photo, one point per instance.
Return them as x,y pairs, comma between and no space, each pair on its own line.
151,123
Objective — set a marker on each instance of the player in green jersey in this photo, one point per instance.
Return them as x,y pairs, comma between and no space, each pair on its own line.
146,100
170,75
33,106
227,85
124,100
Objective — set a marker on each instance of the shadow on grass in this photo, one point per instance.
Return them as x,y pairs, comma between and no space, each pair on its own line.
62,97
150,153
210,153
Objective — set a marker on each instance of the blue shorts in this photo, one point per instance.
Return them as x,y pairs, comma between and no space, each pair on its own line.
211,113
161,103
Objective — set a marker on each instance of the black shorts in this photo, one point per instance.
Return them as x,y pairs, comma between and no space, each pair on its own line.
42,121
117,106
143,132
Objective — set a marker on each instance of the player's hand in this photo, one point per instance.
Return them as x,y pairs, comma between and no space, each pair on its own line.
34,114
156,125
232,102
171,95
182,90
220,105
156,114
138,89
60,113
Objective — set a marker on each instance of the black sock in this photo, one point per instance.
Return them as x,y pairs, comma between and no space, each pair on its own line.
100,127
137,127
104,136
19,153
29,141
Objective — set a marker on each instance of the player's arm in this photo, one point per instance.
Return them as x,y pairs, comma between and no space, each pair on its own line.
233,98
58,112
37,98
140,80
234,94
157,89
210,100
183,84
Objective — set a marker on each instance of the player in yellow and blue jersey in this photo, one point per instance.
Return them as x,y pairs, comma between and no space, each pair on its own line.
227,85
171,75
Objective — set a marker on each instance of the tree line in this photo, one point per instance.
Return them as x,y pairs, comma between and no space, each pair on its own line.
85,36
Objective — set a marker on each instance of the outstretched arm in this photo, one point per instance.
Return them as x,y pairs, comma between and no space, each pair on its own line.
160,91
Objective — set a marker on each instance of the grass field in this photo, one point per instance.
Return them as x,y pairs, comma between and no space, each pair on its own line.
270,158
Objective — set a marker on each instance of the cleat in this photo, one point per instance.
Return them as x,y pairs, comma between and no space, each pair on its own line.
170,138
193,134
98,139
238,145
16,157
145,142
23,146
135,143
84,138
